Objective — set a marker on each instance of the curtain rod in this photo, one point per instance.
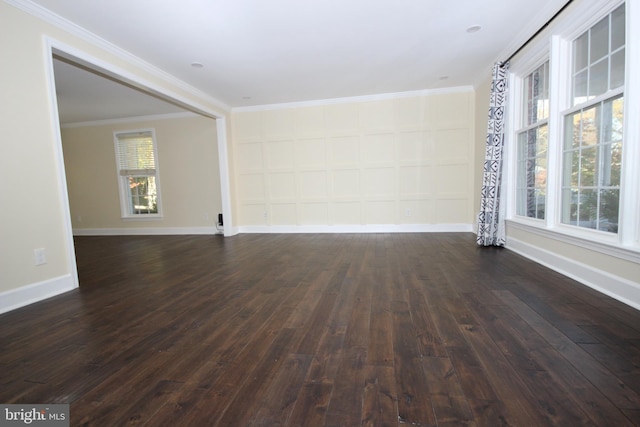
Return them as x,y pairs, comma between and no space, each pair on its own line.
539,31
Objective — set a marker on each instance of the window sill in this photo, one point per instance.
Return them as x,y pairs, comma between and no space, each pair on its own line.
566,235
142,218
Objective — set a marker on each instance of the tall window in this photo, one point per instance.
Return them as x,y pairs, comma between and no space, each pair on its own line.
532,145
593,140
137,173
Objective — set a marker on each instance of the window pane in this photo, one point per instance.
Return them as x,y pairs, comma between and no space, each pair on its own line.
540,204
572,131
143,195
599,42
580,86
598,78
617,116
611,165
570,206
608,209
617,28
571,168
588,164
541,139
587,209
617,70
588,127
581,52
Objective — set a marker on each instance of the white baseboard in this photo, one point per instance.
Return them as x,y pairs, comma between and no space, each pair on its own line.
151,231
25,295
372,228
617,287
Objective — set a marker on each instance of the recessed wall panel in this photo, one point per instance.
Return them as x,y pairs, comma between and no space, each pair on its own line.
348,213
416,180
280,155
313,213
283,214
453,211
345,151
452,179
346,183
416,211
452,144
251,187
247,126
342,119
377,115
277,124
380,212
313,185
409,113
379,149
252,214
379,182
310,153
309,122
282,186
451,110
250,157
415,147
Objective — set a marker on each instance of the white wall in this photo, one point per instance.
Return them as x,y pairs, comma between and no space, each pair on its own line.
400,163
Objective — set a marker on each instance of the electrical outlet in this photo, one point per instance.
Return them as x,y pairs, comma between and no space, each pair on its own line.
205,216
407,212
39,256
265,215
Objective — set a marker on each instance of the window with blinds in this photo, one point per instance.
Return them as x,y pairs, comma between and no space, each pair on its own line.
136,159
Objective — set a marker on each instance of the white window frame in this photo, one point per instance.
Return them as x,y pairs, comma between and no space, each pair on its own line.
520,127
555,45
126,211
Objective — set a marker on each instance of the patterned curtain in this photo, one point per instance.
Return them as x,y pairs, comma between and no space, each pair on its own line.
491,218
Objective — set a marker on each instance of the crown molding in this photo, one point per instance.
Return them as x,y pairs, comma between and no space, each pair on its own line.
135,119
74,29
353,99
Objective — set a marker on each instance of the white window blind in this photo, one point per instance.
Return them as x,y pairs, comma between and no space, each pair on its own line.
135,154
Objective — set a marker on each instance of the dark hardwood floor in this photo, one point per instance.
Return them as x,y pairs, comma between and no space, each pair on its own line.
322,330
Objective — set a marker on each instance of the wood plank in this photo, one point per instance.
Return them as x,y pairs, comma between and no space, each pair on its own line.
414,404
379,402
281,396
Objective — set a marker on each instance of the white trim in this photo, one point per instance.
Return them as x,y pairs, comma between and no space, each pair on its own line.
352,99
29,294
61,176
611,249
70,27
145,231
630,185
134,119
225,177
372,228
614,286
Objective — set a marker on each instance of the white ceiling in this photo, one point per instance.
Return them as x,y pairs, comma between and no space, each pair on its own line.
257,52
